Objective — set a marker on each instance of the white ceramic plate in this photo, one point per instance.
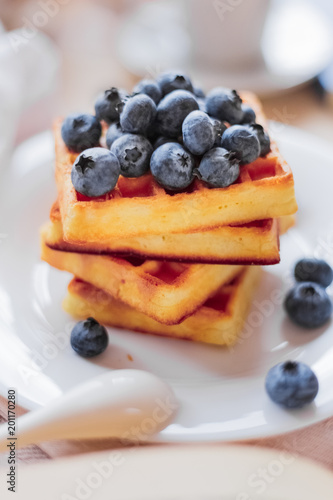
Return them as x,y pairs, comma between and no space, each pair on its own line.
177,473
221,390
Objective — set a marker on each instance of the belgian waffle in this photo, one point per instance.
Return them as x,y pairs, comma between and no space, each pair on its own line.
165,291
218,321
137,207
254,243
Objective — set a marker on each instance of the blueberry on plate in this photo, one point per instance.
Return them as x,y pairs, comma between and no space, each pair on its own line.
133,153
225,104
219,168
172,166
198,132
113,133
150,88
316,270
173,80
291,384
249,115
109,104
219,128
81,131
243,141
308,305
95,172
89,338
138,114
172,111
263,137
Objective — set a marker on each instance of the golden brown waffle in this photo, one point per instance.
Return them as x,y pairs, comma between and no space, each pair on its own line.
136,207
165,291
254,243
218,321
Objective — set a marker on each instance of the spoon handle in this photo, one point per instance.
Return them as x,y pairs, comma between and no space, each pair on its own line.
128,404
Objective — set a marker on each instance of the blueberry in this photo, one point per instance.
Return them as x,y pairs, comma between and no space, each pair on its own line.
198,92
95,172
138,114
172,166
89,338
109,104
152,132
202,104
172,111
225,104
308,304
219,168
173,80
113,133
162,140
219,128
249,115
291,384
133,152
263,137
80,132
243,141
316,270
198,132
150,88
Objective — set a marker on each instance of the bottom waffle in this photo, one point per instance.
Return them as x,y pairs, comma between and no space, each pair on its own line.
218,321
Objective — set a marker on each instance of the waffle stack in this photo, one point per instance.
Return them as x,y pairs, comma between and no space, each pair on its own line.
183,265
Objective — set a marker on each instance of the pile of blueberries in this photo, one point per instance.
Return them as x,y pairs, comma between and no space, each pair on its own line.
168,126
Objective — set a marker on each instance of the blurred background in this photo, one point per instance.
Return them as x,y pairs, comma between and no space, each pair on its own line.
56,55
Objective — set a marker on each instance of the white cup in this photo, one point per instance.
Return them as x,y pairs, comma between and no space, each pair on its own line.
226,33
29,72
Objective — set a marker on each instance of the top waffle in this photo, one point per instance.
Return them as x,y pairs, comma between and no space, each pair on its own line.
140,206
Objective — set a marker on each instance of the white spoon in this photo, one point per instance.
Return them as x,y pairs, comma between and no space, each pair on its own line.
127,404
